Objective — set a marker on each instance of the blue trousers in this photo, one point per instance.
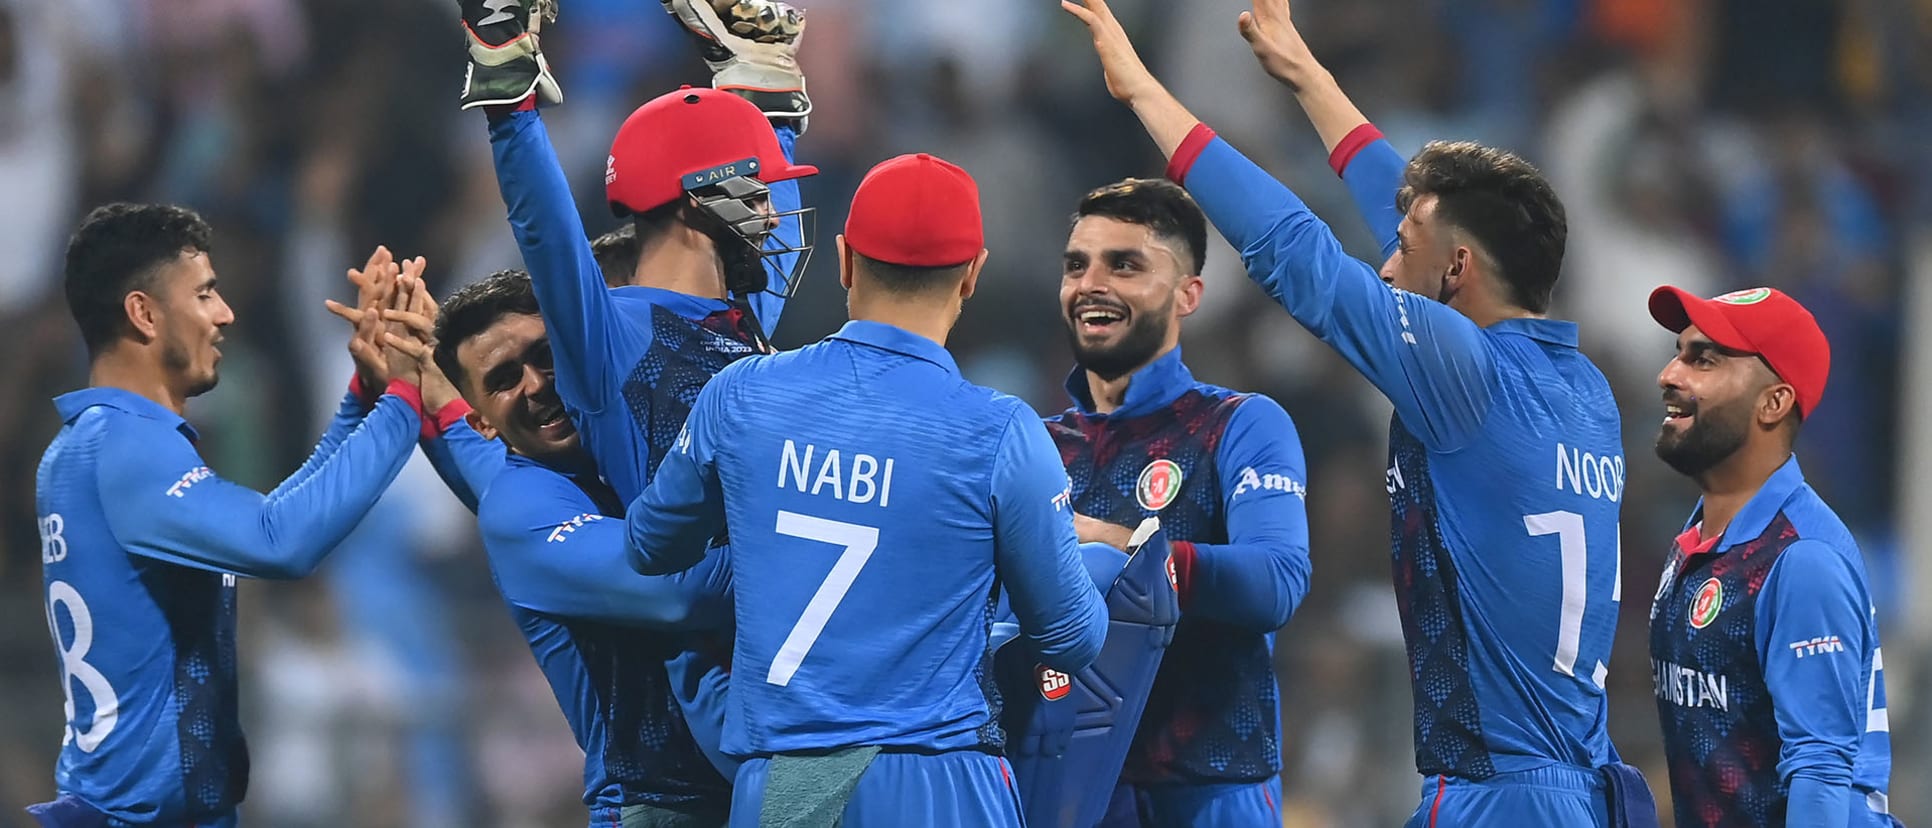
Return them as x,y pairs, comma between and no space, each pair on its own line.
961,789
1240,805
1554,795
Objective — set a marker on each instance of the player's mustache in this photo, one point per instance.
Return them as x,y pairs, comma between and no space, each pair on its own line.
1079,305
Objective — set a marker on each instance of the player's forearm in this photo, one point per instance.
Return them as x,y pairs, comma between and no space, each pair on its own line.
1372,171
1166,120
596,581
349,413
1255,585
670,525
1326,106
563,271
1816,803
302,521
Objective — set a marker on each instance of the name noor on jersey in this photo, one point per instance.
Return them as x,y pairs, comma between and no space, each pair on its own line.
1597,476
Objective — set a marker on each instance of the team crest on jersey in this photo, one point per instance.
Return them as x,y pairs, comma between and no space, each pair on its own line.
1703,608
1054,685
1748,296
1173,579
1158,484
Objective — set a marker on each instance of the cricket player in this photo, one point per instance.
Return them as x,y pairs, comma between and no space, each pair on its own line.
1223,471
141,543
1763,639
1506,457
879,504
555,540
710,187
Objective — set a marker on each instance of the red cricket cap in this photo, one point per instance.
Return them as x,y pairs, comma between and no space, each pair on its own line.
917,211
1761,321
691,132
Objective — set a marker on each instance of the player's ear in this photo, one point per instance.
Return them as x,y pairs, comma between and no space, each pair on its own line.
1187,295
845,262
1777,402
480,425
971,282
141,309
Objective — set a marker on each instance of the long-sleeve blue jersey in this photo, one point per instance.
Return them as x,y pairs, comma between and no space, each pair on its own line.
629,361
1506,469
1769,679
878,504
1224,472
555,542
140,547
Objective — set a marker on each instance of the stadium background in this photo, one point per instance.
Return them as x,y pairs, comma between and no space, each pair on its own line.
1712,144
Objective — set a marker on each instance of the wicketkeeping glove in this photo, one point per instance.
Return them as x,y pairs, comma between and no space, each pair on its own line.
752,49
506,63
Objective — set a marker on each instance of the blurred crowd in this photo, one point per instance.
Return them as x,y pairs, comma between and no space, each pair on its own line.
1711,144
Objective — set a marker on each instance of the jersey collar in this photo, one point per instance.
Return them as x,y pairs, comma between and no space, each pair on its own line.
897,340
1156,384
1761,509
71,404
1554,331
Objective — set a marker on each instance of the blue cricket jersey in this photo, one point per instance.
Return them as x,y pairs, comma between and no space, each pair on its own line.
629,361
1506,470
878,504
140,547
1769,680
1225,474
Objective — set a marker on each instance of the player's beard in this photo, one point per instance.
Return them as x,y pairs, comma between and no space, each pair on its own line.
1139,344
1716,432
177,362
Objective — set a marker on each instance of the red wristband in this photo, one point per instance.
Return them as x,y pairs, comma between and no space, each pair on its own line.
1182,561
497,111
408,392
438,424
1351,144
363,393
1190,149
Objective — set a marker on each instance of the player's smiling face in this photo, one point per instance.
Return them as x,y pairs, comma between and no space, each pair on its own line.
1123,291
1711,395
1424,252
188,320
509,381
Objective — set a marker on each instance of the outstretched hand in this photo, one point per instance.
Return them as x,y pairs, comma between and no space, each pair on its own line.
375,283
1271,33
413,332
1127,76
405,363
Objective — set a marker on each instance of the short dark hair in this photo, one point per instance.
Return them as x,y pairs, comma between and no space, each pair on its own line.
1156,204
116,252
1504,203
908,279
616,253
473,309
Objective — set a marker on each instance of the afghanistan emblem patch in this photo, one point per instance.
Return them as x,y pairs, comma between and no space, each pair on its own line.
1703,608
1748,296
1158,484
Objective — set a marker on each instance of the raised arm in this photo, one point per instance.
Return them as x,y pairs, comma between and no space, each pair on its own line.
169,506
674,520
553,553
1370,167
1035,550
1430,361
1257,579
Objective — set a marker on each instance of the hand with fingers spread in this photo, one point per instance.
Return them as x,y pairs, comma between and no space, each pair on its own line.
1127,77
375,282
417,338
401,351
1128,80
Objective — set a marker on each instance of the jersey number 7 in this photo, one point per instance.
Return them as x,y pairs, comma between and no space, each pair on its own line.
859,541
1571,545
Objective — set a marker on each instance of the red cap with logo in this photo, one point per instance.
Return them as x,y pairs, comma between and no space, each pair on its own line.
916,211
1760,321
688,132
